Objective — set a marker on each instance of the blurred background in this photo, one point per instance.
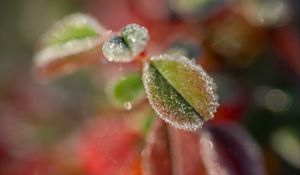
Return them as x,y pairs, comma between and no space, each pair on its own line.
250,47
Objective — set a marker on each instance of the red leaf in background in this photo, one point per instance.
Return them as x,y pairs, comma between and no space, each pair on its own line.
156,155
32,164
185,152
215,150
109,146
286,43
171,151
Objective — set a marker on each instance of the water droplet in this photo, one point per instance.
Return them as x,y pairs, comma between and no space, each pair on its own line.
127,105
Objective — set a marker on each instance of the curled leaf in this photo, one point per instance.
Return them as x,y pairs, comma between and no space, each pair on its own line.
70,44
179,91
125,47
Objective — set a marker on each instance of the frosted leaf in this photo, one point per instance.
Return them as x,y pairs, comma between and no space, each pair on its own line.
136,38
73,27
72,35
68,45
126,46
115,49
167,102
190,81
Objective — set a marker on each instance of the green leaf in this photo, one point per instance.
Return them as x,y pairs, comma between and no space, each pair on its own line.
180,92
129,88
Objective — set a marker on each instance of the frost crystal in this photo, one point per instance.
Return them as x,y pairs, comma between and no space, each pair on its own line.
115,49
136,38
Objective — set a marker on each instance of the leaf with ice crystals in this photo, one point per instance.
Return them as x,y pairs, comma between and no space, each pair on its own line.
136,38
167,102
70,44
126,46
179,91
190,81
115,49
